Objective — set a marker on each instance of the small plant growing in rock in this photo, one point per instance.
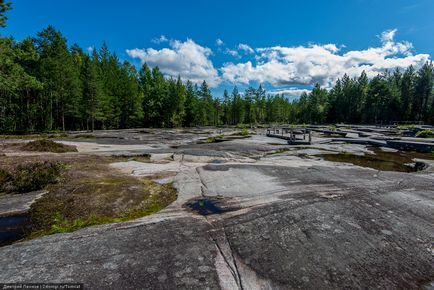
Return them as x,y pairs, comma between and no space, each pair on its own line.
210,139
244,132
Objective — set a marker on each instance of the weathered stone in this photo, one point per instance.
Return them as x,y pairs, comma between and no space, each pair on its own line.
296,221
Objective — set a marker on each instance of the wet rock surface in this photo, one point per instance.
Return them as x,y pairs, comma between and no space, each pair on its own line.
252,215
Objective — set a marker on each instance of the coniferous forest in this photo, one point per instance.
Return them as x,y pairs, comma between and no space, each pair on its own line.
46,84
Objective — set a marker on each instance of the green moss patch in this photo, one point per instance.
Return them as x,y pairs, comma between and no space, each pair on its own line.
92,193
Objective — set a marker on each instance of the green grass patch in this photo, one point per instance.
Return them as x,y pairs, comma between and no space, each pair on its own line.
211,139
92,194
425,134
405,127
244,132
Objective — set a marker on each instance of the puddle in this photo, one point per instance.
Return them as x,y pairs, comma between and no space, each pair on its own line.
428,286
378,162
401,156
208,206
12,228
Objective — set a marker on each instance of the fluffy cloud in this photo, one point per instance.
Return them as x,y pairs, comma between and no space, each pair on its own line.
293,92
280,65
186,59
245,48
232,52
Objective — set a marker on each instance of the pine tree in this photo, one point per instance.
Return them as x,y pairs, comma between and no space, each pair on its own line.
207,108
4,7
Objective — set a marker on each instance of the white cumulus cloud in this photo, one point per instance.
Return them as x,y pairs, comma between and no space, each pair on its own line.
186,59
280,65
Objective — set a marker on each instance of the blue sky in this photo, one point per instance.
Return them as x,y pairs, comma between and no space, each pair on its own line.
285,45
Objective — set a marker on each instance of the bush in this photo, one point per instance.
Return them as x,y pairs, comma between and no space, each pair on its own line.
30,177
45,145
5,178
425,134
244,132
36,176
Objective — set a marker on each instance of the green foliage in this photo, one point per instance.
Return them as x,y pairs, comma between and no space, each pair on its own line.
211,140
45,85
4,7
425,134
30,177
244,132
332,128
62,225
404,127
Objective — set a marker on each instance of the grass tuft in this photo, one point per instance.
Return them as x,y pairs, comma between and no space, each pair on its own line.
425,134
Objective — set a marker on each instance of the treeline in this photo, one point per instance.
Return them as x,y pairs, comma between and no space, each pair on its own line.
388,97
47,85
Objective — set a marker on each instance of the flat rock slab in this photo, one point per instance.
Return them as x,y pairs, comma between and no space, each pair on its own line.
17,204
318,228
295,223
164,255
142,168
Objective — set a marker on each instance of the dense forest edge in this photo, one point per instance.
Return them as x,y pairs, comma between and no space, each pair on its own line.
47,85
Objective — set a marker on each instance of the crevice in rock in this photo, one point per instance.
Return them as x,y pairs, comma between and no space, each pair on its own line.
203,185
233,259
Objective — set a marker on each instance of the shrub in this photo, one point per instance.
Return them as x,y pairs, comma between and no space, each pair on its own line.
45,145
30,177
36,175
425,134
5,178
244,132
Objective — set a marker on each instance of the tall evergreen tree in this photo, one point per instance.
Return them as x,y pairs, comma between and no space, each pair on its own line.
4,7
